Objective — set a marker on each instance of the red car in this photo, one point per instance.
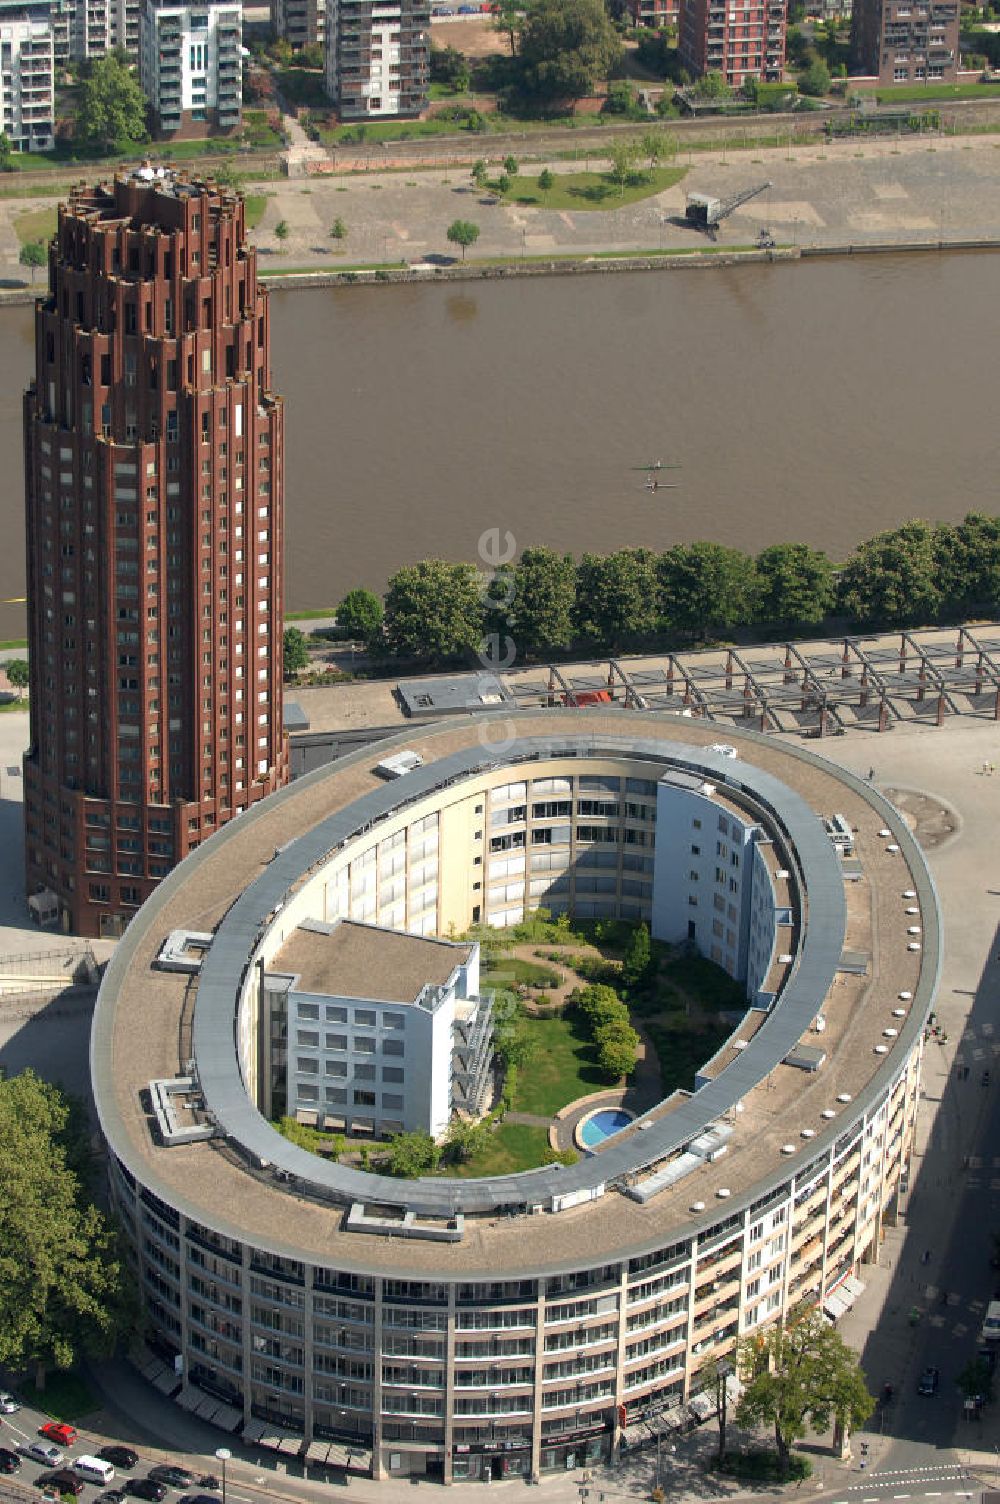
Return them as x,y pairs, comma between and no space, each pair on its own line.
59,1432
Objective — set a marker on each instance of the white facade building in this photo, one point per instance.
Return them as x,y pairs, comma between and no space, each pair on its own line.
27,95
378,57
386,1032
190,65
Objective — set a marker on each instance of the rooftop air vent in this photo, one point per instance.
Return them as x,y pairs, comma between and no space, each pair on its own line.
913,909
788,1148
906,996
913,945
885,833
843,1096
697,1206
399,764
909,892
899,1012
828,1113
881,1049
890,1033
892,847
913,929
723,1192
808,1132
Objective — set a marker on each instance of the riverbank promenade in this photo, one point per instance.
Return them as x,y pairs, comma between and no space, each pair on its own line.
927,189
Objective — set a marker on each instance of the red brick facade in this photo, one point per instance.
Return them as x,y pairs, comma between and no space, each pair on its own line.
154,468
739,43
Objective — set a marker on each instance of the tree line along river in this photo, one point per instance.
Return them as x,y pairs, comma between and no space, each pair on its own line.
819,401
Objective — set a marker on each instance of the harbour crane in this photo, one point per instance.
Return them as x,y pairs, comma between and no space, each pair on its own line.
706,212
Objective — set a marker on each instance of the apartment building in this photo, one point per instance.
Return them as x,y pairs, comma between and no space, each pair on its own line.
27,76
519,1324
378,57
190,66
300,22
386,1032
740,41
906,41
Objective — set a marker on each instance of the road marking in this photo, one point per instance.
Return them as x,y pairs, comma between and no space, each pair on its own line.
901,1496
932,1496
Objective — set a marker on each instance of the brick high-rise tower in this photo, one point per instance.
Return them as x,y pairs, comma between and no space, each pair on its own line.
154,467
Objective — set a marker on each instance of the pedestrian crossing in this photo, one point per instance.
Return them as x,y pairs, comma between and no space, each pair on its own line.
911,1482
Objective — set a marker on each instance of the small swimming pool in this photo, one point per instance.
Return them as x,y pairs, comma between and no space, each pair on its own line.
601,1125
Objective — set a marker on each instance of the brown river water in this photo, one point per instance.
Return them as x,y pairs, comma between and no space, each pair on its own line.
820,401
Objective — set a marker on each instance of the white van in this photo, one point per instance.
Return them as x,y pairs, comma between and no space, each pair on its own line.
94,1470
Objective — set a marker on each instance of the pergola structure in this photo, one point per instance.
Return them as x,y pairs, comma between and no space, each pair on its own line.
814,689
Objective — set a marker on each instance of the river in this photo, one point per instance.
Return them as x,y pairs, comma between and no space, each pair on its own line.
818,401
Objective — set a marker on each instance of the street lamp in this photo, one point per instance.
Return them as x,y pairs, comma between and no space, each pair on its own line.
223,1455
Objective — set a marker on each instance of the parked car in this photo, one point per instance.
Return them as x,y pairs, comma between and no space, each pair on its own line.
122,1457
9,1403
59,1432
111,1496
43,1452
929,1380
146,1488
172,1475
10,1462
62,1481
199,1499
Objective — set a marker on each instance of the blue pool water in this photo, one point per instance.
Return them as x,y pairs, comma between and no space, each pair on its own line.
601,1125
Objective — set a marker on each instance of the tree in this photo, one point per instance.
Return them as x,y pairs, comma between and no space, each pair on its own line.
893,579
412,1154
282,231
968,558
479,173
510,165
616,597
975,1381
601,1005
508,16
502,184
638,957
434,610
798,1376
512,1043
16,670
815,79
464,1140
617,1046
112,108
64,1285
620,98
462,232
651,146
226,176
541,608
566,46
34,255
795,585
546,180
295,651
338,229
713,86
448,67
706,587
6,152
624,155
360,616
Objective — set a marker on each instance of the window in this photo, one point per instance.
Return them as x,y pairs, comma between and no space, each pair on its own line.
364,1099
